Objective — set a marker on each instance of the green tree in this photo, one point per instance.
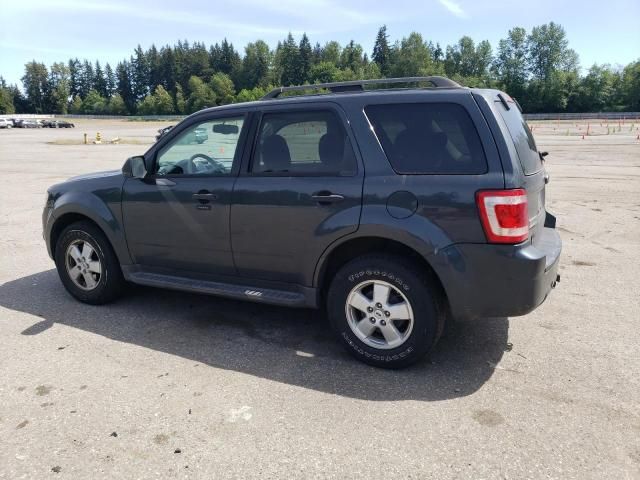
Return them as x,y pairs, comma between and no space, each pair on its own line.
201,95
412,57
255,65
323,72
382,51
331,53
181,103
99,81
548,49
510,64
125,87
139,74
6,98
116,105
94,103
163,101
76,105
223,88
36,86
288,61
630,86
352,57
305,58
110,81
59,88
86,79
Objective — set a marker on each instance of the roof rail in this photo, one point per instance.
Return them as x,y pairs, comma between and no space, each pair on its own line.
358,85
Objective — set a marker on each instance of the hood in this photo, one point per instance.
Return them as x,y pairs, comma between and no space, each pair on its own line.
89,176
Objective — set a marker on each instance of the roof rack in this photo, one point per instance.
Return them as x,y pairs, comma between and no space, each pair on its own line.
358,85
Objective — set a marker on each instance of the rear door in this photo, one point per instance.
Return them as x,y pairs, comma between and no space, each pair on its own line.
298,191
529,159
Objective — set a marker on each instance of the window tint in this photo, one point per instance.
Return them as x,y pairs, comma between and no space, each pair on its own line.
522,138
303,143
207,148
422,138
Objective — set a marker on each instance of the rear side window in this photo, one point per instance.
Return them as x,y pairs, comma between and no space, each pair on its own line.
522,138
303,143
428,138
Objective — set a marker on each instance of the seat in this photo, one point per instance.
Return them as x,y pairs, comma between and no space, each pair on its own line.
331,152
276,156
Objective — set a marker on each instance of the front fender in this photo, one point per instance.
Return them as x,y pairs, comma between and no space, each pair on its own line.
103,208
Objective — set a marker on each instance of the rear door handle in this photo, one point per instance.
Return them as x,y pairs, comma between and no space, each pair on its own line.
327,198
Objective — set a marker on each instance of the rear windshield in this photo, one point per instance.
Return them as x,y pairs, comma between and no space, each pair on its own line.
428,138
522,138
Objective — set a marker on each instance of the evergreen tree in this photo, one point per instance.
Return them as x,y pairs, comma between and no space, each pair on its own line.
125,87
99,81
382,51
110,81
74,76
140,74
288,58
305,59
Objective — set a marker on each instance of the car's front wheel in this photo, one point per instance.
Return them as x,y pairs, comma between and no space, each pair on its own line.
87,265
387,312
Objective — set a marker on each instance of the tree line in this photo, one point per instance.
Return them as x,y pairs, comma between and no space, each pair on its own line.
538,68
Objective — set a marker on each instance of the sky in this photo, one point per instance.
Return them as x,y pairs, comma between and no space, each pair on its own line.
109,30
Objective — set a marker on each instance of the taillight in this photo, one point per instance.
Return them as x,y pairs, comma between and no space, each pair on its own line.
504,215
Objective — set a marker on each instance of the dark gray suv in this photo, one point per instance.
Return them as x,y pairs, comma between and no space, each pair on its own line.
394,208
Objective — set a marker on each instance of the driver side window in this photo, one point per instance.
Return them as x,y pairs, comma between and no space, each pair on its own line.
206,148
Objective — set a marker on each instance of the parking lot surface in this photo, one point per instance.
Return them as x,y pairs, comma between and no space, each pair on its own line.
173,385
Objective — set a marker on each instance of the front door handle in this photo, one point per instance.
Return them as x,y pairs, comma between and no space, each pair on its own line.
325,198
204,196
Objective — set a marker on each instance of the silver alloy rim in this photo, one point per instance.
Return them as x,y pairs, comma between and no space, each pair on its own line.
83,265
379,314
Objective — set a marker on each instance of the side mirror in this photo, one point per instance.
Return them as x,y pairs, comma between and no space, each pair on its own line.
134,167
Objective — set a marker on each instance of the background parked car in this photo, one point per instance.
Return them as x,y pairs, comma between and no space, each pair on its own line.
30,124
6,123
57,124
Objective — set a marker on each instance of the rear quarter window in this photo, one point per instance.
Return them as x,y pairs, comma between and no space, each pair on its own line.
428,138
522,138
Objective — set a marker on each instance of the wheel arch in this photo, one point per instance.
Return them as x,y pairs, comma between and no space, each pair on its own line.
68,216
351,248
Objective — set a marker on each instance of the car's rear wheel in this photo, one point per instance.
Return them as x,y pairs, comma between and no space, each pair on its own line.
87,265
387,312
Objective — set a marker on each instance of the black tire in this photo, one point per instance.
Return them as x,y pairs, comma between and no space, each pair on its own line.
421,291
110,283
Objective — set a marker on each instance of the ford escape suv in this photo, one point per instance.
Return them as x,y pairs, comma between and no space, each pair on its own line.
393,208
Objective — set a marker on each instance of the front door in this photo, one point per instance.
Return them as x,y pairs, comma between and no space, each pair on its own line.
301,191
178,217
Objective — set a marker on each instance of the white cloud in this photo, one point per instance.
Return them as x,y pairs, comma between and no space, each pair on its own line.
454,8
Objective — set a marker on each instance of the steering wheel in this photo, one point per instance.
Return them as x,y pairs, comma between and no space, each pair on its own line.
214,166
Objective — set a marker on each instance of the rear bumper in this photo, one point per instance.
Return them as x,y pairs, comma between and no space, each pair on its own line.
487,280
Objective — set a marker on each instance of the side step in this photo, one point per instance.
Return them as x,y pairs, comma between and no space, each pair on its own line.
264,295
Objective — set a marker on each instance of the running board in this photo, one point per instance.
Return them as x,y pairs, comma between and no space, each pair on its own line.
242,292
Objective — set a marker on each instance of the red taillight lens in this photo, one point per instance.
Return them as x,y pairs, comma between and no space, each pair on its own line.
504,215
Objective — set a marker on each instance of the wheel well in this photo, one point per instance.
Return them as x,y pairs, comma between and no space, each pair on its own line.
63,222
368,245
